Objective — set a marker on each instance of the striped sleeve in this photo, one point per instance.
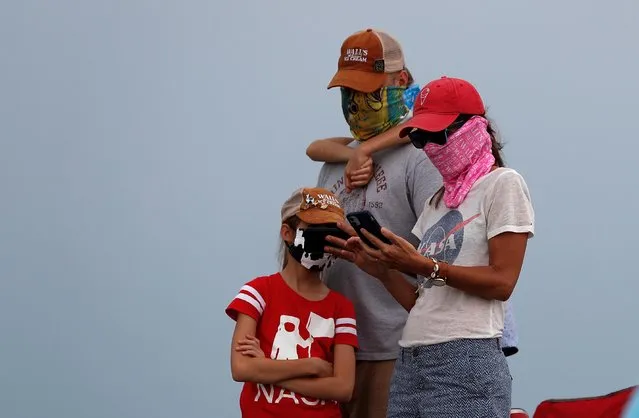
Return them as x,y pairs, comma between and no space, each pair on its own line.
346,324
251,300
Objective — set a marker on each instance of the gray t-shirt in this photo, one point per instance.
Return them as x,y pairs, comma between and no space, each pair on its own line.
404,179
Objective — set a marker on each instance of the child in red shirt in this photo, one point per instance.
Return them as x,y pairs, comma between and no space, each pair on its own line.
295,339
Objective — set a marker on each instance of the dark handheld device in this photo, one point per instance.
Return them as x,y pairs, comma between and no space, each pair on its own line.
366,220
315,237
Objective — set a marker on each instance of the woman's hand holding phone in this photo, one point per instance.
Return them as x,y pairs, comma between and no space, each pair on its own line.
352,250
365,220
378,250
399,254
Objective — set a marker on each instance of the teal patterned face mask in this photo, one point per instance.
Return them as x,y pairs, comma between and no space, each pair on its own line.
370,114
410,94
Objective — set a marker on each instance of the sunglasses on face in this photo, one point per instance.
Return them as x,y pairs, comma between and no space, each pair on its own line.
419,138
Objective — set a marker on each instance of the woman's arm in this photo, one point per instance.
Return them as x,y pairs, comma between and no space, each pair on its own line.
404,292
510,223
338,387
265,370
495,281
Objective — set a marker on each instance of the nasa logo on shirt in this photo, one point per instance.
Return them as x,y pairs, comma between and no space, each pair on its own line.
444,239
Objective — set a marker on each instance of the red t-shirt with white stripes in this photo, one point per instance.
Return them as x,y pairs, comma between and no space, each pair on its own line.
289,327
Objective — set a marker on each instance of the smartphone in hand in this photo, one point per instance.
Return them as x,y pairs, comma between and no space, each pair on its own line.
315,237
366,220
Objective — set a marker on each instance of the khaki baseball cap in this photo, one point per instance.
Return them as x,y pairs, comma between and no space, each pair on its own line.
366,57
313,206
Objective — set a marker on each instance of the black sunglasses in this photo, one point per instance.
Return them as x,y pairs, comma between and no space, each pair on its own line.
419,138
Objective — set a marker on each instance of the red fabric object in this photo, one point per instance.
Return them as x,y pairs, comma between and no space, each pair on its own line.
518,413
291,327
607,406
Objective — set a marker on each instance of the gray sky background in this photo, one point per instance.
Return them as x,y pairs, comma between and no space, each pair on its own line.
146,148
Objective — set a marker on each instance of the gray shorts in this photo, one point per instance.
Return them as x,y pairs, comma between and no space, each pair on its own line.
457,379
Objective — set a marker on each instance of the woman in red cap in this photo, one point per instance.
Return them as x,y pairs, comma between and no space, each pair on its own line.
473,233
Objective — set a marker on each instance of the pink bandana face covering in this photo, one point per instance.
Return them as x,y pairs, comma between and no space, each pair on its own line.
465,158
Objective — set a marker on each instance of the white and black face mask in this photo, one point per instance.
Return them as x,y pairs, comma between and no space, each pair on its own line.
312,261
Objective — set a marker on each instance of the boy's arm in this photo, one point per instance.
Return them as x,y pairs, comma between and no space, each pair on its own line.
385,140
338,388
364,152
264,370
330,150
336,150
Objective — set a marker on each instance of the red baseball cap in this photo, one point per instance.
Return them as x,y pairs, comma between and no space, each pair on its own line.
440,102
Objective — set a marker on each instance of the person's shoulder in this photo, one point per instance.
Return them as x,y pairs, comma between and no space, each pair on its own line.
329,170
253,297
260,287
409,149
407,153
264,281
499,175
507,173
339,299
417,161
504,184
503,175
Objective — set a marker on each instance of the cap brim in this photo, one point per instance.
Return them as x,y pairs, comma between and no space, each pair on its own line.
320,216
431,122
363,81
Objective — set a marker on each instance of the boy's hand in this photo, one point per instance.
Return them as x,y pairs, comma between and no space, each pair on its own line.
250,346
359,170
321,368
